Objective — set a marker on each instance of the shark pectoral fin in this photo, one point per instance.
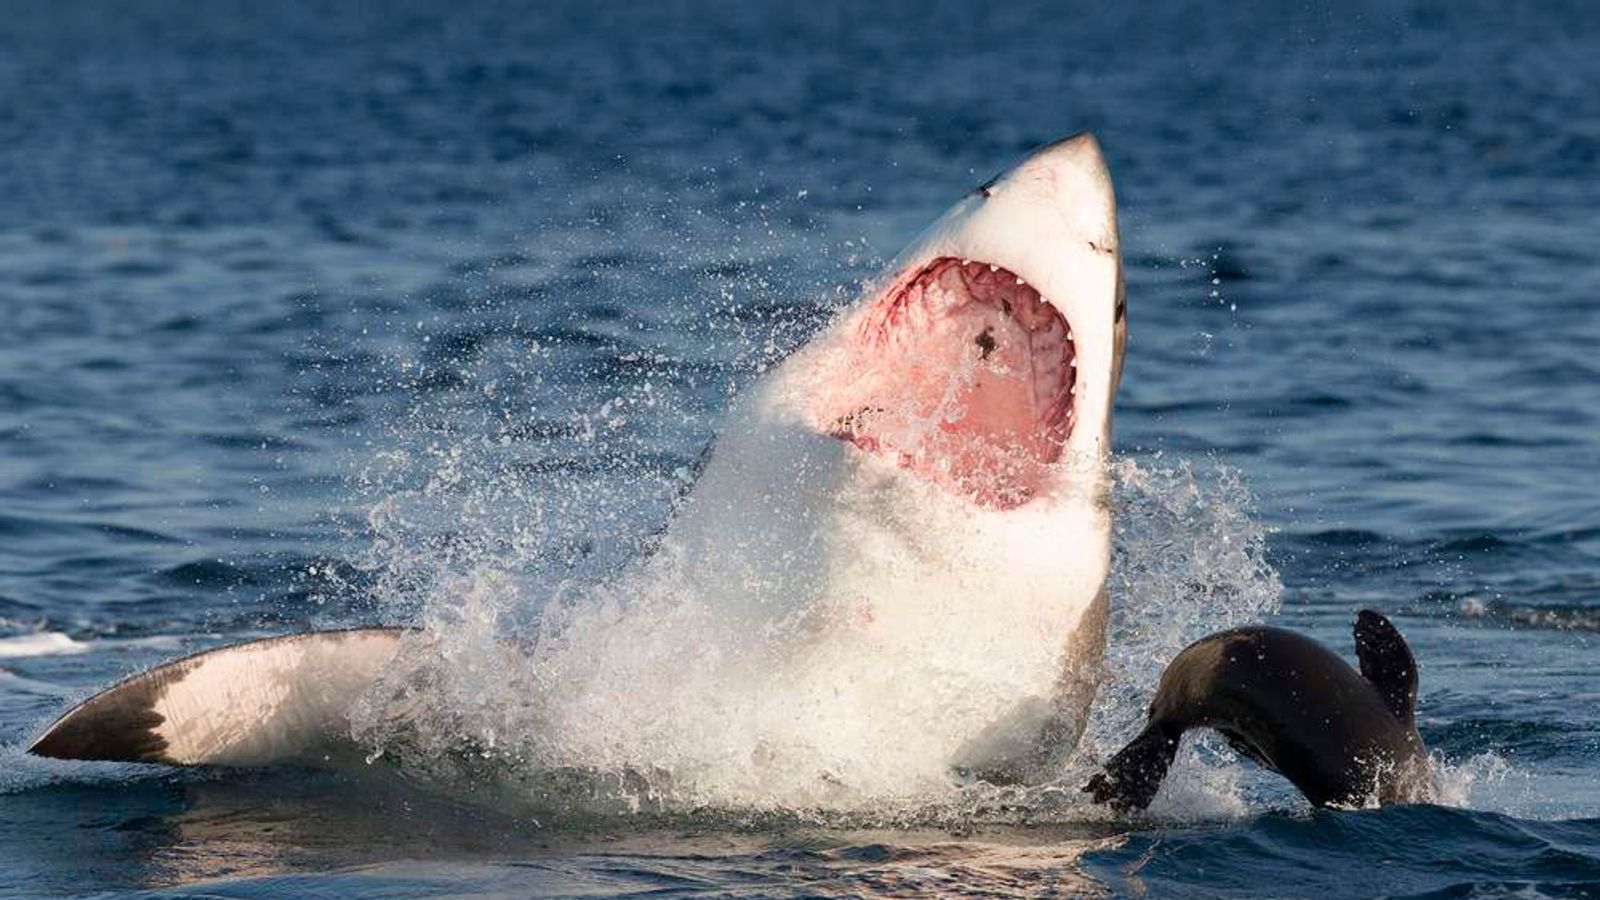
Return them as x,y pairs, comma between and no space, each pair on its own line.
281,700
1027,745
1387,663
1014,749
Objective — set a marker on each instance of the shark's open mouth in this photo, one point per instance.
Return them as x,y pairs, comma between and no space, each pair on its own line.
965,375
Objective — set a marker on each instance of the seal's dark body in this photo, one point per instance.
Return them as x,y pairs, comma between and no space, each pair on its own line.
1343,737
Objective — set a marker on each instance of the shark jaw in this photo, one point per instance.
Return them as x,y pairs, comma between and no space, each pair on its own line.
994,346
965,375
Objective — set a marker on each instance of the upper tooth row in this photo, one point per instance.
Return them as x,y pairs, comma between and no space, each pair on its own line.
992,268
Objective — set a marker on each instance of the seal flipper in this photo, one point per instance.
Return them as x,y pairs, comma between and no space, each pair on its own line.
1386,662
1132,777
268,702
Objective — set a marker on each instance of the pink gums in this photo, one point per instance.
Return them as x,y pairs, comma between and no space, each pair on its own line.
964,374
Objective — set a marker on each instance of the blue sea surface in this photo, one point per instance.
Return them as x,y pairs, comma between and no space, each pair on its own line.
266,268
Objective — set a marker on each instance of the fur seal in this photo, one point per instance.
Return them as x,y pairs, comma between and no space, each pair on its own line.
1344,738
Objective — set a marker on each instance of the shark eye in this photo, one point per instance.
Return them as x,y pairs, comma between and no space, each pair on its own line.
983,190
1122,310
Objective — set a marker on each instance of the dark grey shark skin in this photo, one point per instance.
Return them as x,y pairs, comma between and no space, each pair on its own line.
1344,738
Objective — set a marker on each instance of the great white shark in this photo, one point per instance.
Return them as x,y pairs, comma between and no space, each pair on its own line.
918,496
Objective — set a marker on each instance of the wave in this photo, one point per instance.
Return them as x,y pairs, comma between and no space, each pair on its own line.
1397,851
45,643
1505,613
56,643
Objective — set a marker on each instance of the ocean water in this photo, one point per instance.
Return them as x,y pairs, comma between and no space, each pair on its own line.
424,312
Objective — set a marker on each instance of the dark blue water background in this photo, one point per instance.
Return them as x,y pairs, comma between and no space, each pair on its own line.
257,261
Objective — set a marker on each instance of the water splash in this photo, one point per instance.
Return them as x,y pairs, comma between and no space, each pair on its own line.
1188,559
645,694
1483,781
531,474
